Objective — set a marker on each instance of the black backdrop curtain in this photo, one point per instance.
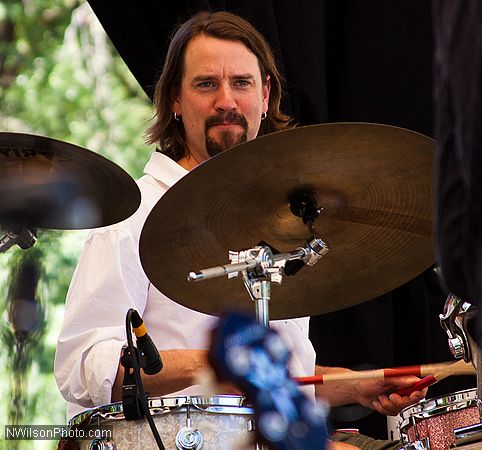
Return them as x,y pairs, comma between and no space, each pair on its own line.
343,60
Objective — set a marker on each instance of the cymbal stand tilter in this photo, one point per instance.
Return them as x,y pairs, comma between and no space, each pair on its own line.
25,239
259,266
453,321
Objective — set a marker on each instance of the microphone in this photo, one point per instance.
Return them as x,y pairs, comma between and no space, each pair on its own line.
146,346
25,312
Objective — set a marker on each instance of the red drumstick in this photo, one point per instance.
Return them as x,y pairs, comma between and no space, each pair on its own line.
457,368
418,386
448,368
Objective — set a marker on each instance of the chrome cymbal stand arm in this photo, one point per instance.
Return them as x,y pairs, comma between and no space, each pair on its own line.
259,268
258,283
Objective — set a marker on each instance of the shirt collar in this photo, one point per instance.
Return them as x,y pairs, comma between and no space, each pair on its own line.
164,169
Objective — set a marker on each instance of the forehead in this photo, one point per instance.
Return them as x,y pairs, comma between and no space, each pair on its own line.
205,55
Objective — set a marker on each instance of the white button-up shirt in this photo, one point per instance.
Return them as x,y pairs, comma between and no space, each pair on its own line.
109,280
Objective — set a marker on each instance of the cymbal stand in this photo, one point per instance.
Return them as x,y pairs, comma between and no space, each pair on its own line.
259,267
454,321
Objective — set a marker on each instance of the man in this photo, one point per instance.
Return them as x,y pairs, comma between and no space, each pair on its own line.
458,118
219,87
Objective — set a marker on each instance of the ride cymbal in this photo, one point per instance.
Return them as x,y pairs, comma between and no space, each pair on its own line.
372,182
46,183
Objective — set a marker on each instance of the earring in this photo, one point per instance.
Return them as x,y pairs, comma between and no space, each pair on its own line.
264,115
176,117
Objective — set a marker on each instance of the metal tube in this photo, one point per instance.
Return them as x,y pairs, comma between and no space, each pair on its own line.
219,271
262,304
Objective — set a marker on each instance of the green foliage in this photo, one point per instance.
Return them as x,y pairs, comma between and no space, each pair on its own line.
59,77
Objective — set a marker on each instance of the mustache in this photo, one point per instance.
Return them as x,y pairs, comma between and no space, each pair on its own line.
226,117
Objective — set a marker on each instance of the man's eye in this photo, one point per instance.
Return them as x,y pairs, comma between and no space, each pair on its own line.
242,83
206,84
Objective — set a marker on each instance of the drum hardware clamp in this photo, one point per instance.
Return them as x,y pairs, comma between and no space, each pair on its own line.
455,310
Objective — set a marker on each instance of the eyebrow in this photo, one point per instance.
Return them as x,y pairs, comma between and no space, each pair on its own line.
243,76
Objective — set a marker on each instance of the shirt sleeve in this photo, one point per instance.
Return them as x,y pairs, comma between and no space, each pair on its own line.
108,280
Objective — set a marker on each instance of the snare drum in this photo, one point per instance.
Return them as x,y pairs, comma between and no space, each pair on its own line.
219,422
431,423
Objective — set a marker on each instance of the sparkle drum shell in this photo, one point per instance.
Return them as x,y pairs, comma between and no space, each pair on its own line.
431,423
218,422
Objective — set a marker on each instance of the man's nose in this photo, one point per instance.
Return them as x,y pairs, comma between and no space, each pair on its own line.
225,99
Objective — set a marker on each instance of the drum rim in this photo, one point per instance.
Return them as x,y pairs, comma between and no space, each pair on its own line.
437,405
219,404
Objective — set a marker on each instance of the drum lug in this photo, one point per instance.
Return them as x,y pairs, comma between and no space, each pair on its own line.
102,444
423,444
189,439
457,347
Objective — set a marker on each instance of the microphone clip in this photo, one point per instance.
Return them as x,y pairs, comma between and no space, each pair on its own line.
132,404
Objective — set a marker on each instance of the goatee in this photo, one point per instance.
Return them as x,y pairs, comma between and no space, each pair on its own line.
227,139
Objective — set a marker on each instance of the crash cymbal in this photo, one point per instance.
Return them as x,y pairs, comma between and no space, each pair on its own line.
46,183
373,183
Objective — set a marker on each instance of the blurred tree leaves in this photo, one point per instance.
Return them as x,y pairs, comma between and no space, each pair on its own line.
59,77
70,85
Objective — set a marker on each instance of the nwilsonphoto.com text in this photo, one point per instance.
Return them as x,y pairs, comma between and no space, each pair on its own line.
53,432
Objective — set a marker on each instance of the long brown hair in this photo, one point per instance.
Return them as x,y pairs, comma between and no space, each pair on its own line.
168,133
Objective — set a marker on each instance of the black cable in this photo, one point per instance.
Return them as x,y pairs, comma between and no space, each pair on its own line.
137,375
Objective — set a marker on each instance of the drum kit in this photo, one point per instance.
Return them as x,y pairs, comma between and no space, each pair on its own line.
352,201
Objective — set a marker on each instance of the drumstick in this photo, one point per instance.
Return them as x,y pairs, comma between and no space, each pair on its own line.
452,368
418,386
438,376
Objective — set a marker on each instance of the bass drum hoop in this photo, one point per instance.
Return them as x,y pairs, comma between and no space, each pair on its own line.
218,404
